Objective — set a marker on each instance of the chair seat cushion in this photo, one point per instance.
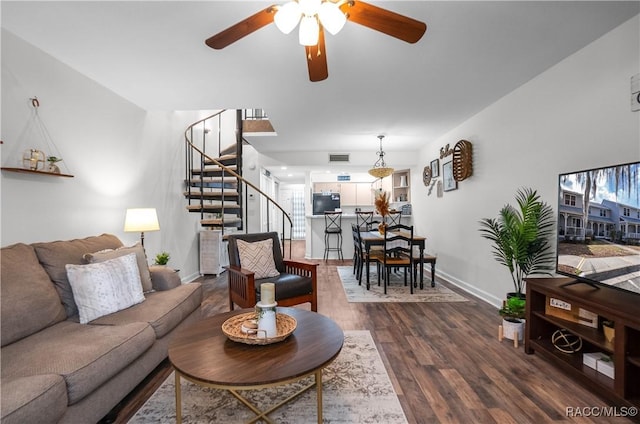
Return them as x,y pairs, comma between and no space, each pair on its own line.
287,285
34,399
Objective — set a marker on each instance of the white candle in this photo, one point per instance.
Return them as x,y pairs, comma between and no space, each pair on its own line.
267,293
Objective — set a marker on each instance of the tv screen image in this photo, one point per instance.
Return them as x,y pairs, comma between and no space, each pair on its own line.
599,226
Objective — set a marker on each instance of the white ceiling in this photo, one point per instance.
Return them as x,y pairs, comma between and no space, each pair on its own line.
473,53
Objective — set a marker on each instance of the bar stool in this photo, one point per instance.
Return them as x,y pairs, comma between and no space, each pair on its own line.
332,226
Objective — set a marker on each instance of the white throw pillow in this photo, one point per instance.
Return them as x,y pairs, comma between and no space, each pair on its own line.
138,249
257,257
105,287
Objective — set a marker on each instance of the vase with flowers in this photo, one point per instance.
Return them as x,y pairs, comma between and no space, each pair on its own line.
382,207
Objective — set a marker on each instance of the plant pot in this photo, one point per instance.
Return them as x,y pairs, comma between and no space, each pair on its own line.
512,328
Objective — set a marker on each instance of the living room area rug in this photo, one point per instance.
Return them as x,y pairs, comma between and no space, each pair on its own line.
396,290
356,389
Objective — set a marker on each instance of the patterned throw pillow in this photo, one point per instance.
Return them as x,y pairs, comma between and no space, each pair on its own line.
143,266
105,287
257,257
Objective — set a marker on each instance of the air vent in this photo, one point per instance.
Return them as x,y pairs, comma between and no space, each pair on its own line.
338,157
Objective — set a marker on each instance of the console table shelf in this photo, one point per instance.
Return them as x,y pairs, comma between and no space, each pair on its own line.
608,303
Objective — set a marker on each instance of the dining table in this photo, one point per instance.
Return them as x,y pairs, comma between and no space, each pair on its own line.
374,238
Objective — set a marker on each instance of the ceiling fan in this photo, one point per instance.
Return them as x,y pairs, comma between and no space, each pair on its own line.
314,16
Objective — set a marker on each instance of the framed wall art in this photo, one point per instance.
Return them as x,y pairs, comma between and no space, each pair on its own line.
447,176
435,168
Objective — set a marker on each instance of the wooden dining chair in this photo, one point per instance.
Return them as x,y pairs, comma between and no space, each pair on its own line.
364,220
398,253
394,217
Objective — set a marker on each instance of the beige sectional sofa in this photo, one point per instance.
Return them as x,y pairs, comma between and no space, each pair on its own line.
54,369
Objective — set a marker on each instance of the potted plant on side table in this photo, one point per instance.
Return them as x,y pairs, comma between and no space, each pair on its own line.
521,238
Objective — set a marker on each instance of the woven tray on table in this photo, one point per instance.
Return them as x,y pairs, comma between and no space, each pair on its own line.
232,328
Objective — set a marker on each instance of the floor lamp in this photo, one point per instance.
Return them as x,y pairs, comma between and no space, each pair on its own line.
141,219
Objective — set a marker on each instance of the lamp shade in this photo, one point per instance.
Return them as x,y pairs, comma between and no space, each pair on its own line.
141,220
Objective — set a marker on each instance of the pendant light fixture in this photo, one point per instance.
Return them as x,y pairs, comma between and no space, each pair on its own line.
380,169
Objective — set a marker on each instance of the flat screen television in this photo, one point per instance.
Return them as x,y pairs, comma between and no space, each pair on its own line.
598,225
325,202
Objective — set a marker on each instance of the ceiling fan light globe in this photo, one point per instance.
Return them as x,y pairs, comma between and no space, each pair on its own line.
332,18
309,29
287,16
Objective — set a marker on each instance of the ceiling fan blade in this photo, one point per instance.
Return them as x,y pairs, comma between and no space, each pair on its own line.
317,59
242,29
383,20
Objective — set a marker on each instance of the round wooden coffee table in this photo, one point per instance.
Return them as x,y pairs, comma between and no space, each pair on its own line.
203,355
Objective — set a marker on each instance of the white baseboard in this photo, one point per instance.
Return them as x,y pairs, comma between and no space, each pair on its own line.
476,292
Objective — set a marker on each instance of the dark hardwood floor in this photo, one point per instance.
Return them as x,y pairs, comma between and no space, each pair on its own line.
444,359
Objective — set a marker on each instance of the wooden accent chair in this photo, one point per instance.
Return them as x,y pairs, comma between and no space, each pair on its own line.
398,253
296,284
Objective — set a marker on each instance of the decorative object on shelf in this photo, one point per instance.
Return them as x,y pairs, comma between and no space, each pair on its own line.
609,330
521,237
382,207
233,329
462,160
33,159
162,258
427,175
447,175
141,219
380,168
435,168
566,342
52,164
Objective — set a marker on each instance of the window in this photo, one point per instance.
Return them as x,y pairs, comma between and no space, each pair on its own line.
626,211
569,199
603,213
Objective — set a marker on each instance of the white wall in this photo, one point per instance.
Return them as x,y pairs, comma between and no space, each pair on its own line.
121,157
575,115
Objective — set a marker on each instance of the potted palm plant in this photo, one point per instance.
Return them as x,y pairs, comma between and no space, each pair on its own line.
522,237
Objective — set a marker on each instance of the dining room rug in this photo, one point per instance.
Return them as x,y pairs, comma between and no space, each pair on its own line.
396,290
356,389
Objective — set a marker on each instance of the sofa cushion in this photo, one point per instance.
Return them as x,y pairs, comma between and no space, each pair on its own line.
29,300
105,287
56,254
162,309
35,399
257,257
85,355
164,278
141,257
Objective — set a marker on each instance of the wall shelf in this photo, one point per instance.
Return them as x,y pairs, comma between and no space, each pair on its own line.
29,171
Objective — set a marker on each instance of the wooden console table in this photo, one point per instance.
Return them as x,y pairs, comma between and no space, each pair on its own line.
608,303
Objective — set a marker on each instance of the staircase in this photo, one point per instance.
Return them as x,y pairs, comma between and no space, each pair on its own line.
214,185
